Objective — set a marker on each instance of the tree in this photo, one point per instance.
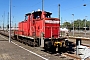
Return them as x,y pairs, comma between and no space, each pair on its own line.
78,24
67,25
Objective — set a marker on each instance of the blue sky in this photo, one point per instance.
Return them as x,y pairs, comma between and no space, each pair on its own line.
67,8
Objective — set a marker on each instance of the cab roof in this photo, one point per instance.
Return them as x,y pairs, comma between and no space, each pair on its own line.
36,12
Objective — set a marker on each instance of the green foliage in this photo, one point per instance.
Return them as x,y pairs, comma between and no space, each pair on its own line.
78,24
66,24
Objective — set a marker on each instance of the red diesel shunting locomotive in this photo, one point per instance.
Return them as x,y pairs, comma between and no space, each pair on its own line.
40,29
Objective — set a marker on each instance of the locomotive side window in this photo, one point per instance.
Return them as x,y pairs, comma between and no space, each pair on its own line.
37,15
26,17
48,15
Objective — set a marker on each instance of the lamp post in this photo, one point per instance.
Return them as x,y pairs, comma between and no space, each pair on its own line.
79,27
85,21
73,24
10,24
3,16
3,23
84,5
59,16
3,20
85,25
42,5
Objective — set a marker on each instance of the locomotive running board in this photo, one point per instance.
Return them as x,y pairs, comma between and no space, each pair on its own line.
26,36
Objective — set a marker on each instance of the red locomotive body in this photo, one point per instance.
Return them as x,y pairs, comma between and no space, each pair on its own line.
39,22
40,30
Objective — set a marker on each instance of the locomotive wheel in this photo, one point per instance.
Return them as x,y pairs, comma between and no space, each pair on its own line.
48,46
53,49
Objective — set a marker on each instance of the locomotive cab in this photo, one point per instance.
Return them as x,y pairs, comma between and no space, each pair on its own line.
41,14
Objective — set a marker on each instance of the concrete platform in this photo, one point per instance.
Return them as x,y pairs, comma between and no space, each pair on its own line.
9,51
